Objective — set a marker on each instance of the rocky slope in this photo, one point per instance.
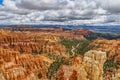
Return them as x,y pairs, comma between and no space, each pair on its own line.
112,47
44,54
27,55
90,67
16,66
31,42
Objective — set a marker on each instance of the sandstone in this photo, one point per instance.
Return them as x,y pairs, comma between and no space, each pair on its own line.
90,68
1,77
26,54
93,62
117,75
14,65
112,47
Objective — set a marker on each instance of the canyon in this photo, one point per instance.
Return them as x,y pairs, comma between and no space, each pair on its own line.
28,53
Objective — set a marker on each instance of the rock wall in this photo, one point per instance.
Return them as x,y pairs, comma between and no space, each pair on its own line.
117,75
28,42
93,62
88,68
109,46
16,66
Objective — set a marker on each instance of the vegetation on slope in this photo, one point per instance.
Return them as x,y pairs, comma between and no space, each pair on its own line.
81,46
54,67
110,64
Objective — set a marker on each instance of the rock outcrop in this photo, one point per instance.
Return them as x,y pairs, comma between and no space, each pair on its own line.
27,54
28,42
16,66
93,62
1,77
117,75
112,47
88,68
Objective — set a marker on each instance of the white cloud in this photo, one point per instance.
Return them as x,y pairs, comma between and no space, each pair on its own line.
9,4
60,11
110,5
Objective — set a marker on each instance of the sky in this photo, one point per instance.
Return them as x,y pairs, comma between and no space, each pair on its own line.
1,1
60,12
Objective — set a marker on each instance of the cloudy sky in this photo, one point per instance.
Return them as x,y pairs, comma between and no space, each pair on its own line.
59,11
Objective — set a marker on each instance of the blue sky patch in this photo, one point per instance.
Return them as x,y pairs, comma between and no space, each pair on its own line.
1,1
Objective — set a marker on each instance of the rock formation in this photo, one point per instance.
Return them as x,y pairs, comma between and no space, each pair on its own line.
109,46
27,54
117,75
88,68
16,66
1,77
26,42
93,62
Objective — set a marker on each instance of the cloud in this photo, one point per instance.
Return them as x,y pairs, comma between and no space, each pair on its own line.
38,4
60,11
110,5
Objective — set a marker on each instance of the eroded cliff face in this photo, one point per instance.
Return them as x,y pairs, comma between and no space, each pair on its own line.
16,66
88,68
112,47
93,62
117,75
28,55
35,43
1,77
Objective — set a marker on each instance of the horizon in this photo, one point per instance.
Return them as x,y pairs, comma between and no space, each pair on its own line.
110,29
